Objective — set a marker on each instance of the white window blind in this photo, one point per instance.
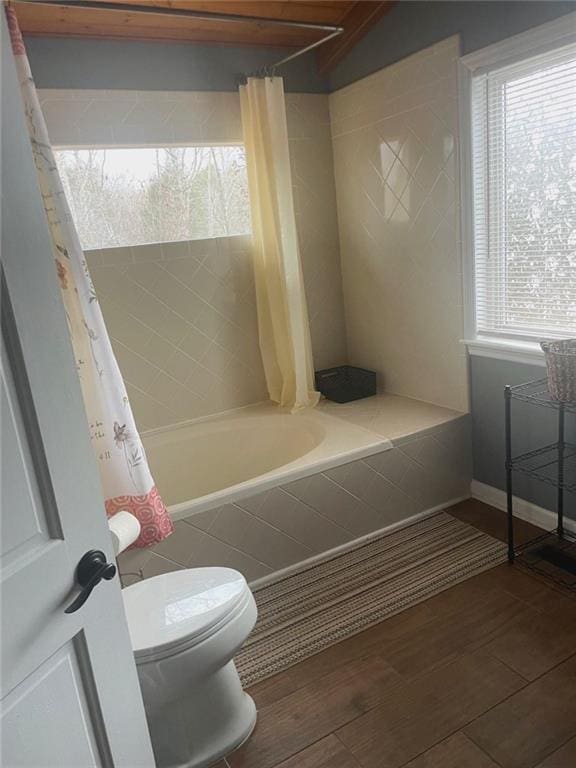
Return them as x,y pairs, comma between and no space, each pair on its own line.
524,189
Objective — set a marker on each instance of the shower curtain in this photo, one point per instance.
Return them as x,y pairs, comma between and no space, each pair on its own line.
282,314
126,479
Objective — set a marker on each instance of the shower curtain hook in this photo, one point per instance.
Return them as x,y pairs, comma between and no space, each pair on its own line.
267,70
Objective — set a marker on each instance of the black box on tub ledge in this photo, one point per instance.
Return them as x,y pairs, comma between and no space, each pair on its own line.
346,383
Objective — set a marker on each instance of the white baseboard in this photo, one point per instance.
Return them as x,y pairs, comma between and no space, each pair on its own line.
315,559
525,510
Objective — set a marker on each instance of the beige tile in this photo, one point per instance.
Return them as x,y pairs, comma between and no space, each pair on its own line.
149,413
195,343
177,250
176,296
171,326
249,567
152,252
133,567
158,351
202,520
185,270
208,320
193,548
144,273
387,230
115,256
181,545
135,368
334,502
124,328
178,366
158,565
392,416
258,539
297,520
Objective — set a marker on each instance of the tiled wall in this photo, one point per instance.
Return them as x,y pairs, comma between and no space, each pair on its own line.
395,158
286,525
182,319
164,383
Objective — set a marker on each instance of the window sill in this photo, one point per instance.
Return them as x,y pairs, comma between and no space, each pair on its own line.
527,352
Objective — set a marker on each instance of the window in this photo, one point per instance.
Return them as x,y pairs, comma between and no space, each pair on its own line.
524,197
134,195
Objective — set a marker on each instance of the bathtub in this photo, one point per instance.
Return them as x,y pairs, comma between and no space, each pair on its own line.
264,491
215,461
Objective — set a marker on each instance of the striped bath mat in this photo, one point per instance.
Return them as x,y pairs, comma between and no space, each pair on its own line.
321,604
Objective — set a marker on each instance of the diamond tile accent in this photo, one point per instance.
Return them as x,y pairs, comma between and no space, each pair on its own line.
183,335
283,526
395,162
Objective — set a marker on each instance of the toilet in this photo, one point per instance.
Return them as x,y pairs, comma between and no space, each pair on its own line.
185,628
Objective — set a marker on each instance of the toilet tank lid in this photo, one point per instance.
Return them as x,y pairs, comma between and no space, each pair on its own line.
176,607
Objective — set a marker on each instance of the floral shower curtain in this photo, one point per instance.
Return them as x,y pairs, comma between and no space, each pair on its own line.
283,325
126,479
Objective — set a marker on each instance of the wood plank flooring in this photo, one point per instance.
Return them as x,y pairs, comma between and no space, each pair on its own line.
480,676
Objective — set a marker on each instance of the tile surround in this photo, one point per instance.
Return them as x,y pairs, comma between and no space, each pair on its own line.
391,416
280,527
219,306
182,319
395,157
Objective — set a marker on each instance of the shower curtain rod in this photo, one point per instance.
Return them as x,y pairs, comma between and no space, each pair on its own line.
234,18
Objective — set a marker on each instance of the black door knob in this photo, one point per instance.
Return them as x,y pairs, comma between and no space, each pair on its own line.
90,571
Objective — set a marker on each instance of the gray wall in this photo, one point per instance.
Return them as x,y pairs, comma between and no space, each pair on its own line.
532,427
59,62
407,28
411,26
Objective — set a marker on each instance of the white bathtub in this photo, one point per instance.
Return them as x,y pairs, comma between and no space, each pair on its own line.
216,461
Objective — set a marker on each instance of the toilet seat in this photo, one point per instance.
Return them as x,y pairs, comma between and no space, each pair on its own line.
168,614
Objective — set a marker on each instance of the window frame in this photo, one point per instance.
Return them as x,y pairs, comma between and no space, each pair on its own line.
71,147
513,50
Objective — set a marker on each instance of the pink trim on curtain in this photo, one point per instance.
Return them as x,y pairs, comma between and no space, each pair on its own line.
155,523
16,38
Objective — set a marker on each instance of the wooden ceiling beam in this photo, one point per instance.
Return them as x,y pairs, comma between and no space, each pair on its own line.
359,19
71,20
59,21
314,11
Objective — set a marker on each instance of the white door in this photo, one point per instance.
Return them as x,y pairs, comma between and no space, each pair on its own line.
70,693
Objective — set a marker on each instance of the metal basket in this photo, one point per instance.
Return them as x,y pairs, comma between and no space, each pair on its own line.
561,369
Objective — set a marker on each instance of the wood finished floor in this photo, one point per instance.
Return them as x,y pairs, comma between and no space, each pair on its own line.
481,676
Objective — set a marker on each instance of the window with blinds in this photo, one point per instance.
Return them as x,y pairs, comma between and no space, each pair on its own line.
524,189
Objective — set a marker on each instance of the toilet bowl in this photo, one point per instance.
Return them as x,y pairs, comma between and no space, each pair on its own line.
185,629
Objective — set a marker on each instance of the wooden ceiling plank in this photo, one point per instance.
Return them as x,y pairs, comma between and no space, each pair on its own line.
355,15
69,21
289,10
359,19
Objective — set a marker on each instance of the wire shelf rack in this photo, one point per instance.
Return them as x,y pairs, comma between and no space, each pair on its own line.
553,464
552,557
536,392
542,464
